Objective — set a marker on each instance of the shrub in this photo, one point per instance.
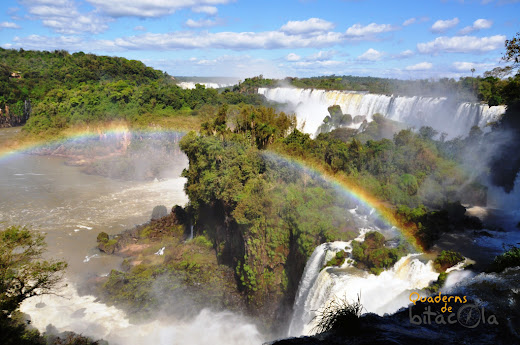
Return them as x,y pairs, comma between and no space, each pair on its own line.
340,316
203,241
447,259
510,258
337,260
102,237
373,255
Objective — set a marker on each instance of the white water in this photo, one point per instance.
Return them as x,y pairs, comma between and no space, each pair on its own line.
191,85
457,119
381,294
85,315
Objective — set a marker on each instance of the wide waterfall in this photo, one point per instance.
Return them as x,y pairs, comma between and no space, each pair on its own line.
208,85
381,294
441,113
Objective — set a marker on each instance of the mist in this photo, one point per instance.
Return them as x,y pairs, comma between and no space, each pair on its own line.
85,315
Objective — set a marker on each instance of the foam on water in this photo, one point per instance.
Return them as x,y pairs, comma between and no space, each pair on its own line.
84,314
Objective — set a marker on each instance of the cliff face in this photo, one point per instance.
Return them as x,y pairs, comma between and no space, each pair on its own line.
8,118
268,275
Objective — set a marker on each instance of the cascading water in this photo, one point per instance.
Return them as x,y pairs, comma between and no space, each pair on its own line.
381,294
440,113
207,85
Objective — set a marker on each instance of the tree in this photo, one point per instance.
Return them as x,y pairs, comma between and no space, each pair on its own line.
498,72
23,271
512,53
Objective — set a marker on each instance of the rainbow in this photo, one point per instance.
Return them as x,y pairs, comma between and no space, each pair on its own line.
350,189
74,135
341,182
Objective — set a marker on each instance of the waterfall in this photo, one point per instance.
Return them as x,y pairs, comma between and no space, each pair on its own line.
440,113
381,294
207,85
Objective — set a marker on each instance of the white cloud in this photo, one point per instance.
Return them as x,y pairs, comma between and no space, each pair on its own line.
227,40
404,54
321,56
238,40
139,28
371,55
444,25
409,21
219,40
314,64
312,25
201,23
151,8
358,31
478,24
72,43
292,57
9,25
482,24
210,10
462,44
63,17
239,66
461,66
421,66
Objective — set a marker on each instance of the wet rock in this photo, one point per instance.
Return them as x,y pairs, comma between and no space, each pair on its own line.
105,244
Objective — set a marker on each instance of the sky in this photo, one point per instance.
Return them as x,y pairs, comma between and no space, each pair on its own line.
299,38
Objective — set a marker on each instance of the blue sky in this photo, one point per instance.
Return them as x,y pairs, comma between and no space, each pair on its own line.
240,38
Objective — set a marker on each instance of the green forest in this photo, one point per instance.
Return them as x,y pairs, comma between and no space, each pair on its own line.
77,89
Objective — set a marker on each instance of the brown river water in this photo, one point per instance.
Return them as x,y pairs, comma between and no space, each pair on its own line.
72,207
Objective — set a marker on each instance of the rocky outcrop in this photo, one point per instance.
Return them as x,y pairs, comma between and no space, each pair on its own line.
106,244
